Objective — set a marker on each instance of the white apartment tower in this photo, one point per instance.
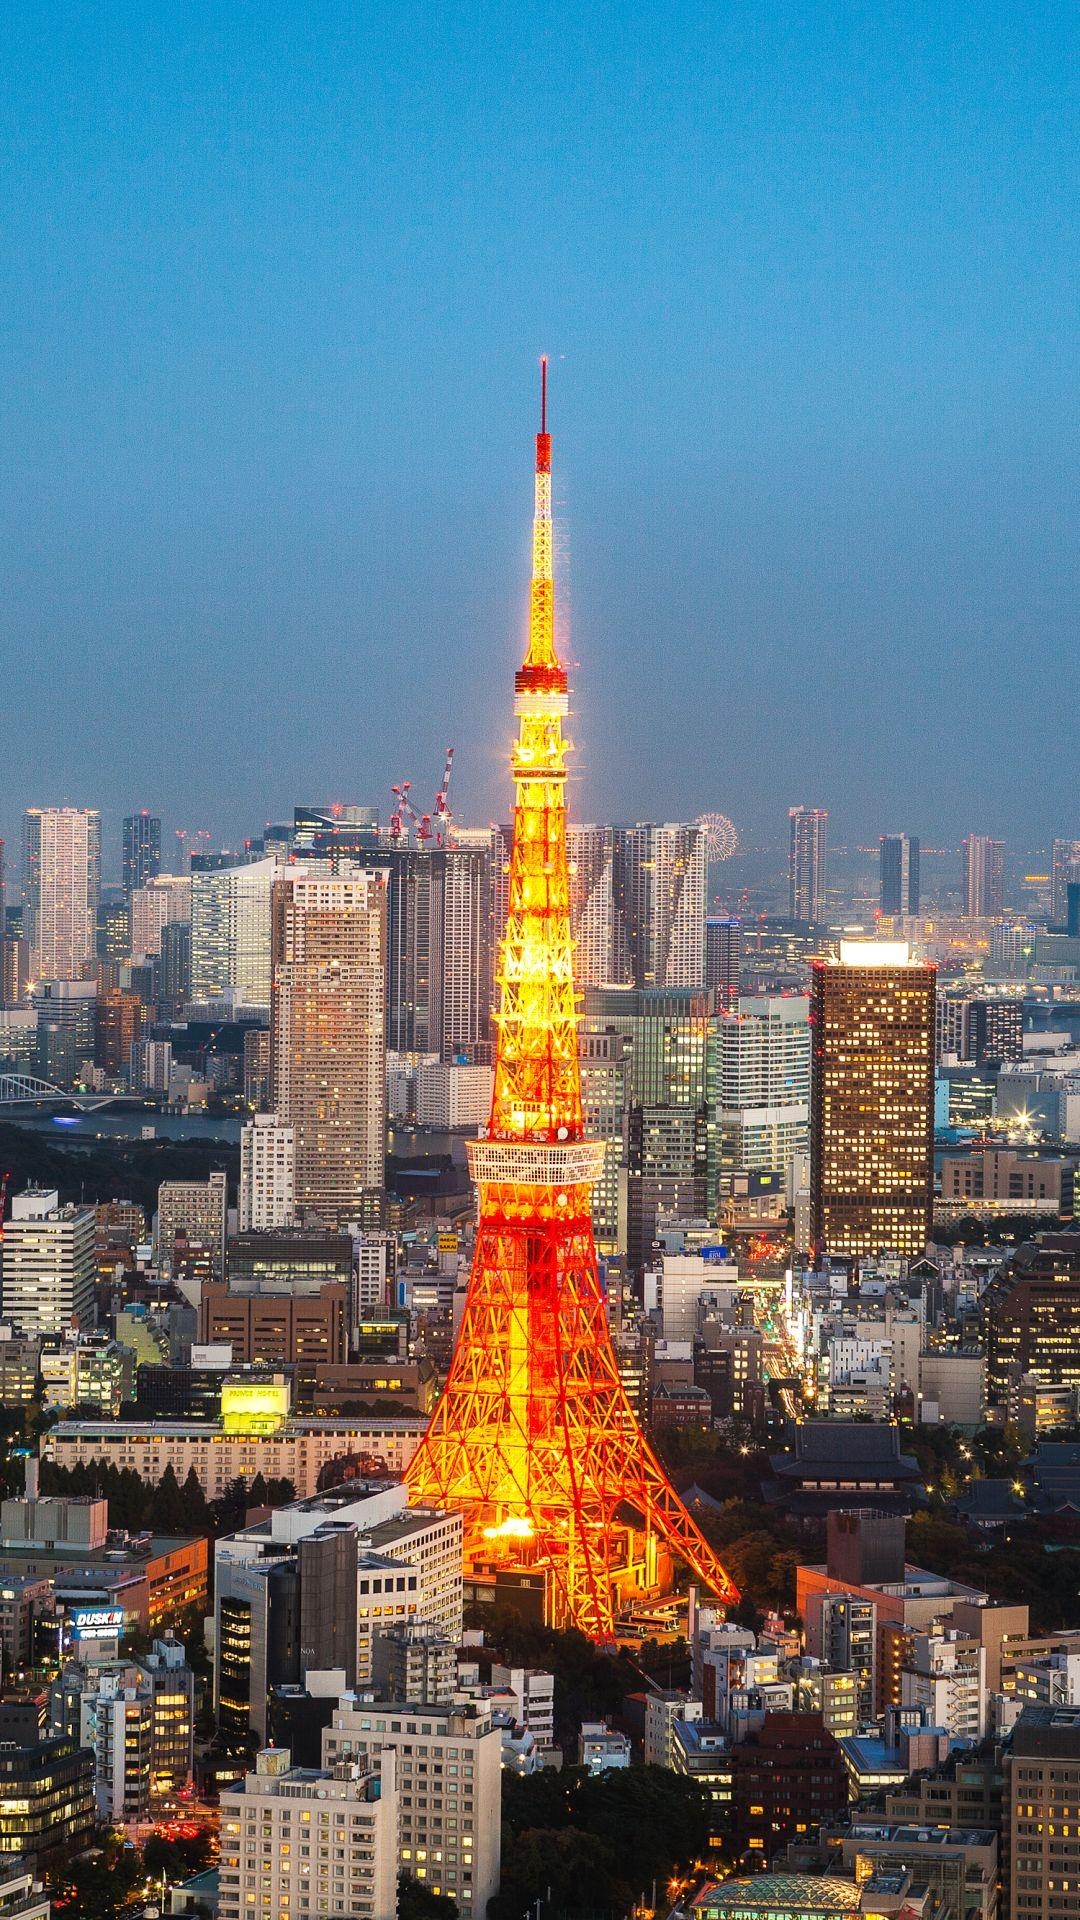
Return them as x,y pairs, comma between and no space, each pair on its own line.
328,1035
49,1265
230,928
764,1083
161,902
267,1174
63,887
592,903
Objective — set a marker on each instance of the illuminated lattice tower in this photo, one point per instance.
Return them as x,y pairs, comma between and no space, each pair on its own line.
534,1439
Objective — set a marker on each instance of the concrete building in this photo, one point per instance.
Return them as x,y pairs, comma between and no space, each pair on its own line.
984,876
453,1096
49,1263
267,1174
141,851
63,887
763,1103
156,904
1041,1798
899,874
198,1209
534,1699
296,1841
328,1036
230,927
807,849
414,1662
449,1763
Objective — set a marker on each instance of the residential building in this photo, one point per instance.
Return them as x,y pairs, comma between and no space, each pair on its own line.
451,1095
301,1842
899,874
723,955
600,1748
591,854
267,1174
1042,1795
1031,1320
984,877
63,887
47,1797
659,889
807,851
872,1101
328,1036
49,1263
141,850
787,1780
156,904
450,1781
198,1210
763,1099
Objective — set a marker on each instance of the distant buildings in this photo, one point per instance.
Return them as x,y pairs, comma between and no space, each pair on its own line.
899,874
1064,871
141,850
49,1264
230,927
267,1174
763,1105
872,1101
806,862
63,887
984,876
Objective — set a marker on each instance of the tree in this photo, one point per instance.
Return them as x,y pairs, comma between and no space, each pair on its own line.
417,1902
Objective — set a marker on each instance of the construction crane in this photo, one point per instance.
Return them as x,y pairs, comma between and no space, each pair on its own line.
435,825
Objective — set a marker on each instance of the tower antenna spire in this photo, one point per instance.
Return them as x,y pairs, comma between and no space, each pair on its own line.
543,393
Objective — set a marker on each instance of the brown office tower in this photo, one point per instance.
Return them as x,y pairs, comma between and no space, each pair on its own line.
872,1101
327,1036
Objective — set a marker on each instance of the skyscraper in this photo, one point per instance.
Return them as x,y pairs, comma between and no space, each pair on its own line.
872,1100
806,862
764,1092
984,876
899,873
142,850
534,1439
723,957
63,886
328,1035
230,927
1064,867
659,892
591,851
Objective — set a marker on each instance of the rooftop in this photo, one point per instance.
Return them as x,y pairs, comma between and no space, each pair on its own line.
824,1893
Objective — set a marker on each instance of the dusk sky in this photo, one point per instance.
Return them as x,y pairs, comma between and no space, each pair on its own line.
276,277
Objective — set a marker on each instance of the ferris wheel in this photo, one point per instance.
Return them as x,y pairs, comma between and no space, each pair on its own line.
721,836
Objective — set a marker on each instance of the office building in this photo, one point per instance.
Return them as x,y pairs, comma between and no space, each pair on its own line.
659,892
277,1327
984,877
113,937
763,1101
995,1031
787,1780
591,854
197,1210
155,905
449,1775
267,1174
723,957
46,1799
452,1096
807,849
296,1841
604,1059
118,1024
49,1263
230,927
414,1662
1042,1796
22,1897
63,887
1031,1321
328,1036
899,874
174,972
142,850
872,1101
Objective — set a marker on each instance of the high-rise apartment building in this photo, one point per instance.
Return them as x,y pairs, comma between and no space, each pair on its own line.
984,876
49,1263
328,1035
1031,1321
198,1209
591,853
807,851
872,1100
155,906
267,1174
230,927
659,888
142,850
174,973
899,874
764,1083
118,1024
295,1840
63,887
723,956
1064,868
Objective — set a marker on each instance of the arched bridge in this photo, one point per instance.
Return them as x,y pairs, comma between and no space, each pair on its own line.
24,1090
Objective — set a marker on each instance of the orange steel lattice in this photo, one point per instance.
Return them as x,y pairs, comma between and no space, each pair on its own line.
534,1439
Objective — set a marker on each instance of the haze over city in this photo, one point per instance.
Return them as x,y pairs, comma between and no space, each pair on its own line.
277,285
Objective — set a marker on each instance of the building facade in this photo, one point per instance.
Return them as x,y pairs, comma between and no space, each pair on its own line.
63,889
807,850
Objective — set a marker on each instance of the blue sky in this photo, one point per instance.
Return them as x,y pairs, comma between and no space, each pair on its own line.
276,278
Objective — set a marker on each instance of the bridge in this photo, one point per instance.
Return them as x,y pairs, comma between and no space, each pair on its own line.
23,1090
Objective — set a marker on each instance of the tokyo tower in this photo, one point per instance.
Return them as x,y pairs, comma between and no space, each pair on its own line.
534,1439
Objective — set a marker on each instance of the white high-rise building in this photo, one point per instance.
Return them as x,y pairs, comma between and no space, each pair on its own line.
591,852
267,1174
373,1254
49,1265
659,886
450,1782
984,876
296,1842
763,1105
807,847
230,928
63,887
160,903
328,1035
